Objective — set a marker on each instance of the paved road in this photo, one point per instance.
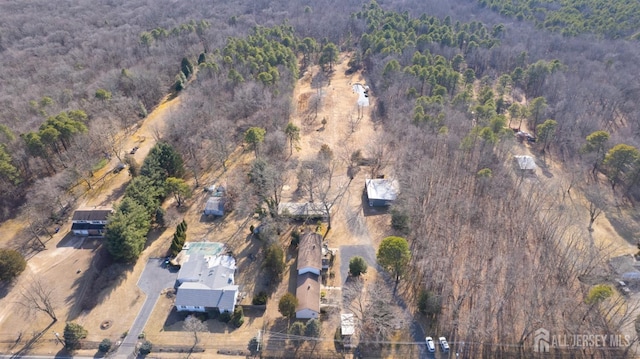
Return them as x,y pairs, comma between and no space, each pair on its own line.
153,280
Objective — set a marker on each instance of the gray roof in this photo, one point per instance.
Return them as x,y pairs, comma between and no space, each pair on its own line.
93,214
198,294
207,281
525,162
383,189
214,206
215,272
310,251
306,209
308,292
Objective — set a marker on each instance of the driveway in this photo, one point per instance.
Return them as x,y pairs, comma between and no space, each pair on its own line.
152,281
347,252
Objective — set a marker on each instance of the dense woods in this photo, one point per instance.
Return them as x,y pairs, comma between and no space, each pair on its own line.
492,256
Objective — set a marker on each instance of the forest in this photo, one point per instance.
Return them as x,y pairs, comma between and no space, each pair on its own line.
494,255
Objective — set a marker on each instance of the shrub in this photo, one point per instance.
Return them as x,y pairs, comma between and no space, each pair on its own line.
105,346
357,266
274,260
237,319
400,221
287,305
224,317
428,303
145,347
295,238
260,298
12,263
73,333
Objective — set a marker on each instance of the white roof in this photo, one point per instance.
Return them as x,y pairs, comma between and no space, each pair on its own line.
347,324
384,189
526,162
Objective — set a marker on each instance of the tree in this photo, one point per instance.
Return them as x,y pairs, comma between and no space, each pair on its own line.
394,255
357,266
287,305
102,94
274,260
194,325
596,143
546,132
37,297
537,109
179,188
12,263
329,55
162,161
126,231
145,347
597,204
293,134
296,331
619,160
313,328
73,333
598,293
105,345
254,136
237,318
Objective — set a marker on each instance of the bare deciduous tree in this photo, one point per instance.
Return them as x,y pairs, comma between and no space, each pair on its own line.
38,297
194,325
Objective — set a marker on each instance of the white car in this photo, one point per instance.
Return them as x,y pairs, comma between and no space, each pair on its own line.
443,344
430,346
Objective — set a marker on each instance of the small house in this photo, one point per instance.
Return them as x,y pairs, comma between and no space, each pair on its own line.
90,221
381,192
306,210
214,206
526,164
308,281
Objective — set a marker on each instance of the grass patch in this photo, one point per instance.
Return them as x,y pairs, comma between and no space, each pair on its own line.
100,165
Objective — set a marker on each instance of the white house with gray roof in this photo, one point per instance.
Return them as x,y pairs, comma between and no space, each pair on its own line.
207,283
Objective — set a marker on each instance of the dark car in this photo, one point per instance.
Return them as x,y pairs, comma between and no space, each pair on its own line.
134,150
119,167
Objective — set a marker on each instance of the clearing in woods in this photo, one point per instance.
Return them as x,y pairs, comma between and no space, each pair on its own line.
327,112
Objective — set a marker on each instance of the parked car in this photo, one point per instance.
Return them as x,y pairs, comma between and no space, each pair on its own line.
443,344
431,347
134,150
119,167
623,287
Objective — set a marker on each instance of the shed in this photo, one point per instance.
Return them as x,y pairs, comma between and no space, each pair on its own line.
526,163
381,192
214,206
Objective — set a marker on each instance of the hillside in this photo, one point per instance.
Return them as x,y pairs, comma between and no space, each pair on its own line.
140,107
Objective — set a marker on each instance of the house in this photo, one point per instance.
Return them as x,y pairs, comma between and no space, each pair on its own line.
525,163
206,282
310,253
306,210
347,329
308,281
381,192
214,206
90,221
308,295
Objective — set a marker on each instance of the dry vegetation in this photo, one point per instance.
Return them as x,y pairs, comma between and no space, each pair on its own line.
500,253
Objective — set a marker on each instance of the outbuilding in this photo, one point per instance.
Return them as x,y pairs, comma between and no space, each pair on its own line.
381,192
